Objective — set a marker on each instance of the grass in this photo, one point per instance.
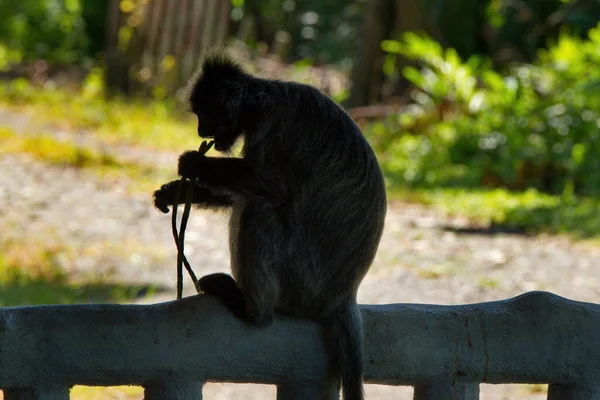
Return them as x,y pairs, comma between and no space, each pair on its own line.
488,283
529,211
31,274
155,125
107,393
53,151
536,388
80,392
46,148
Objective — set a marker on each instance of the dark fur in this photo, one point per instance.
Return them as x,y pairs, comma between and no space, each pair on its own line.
308,204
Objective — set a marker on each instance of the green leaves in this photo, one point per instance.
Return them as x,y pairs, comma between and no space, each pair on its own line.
535,126
51,30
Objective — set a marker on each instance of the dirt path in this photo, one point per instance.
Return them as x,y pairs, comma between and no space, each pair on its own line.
120,236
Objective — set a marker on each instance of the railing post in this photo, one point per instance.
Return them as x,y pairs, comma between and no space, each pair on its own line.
573,392
308,390
173,391
60,393
447,391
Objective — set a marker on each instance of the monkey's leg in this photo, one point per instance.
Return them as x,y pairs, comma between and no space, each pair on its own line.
260,258
255,264
202,197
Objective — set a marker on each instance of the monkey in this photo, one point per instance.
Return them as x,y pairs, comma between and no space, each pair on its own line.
306,198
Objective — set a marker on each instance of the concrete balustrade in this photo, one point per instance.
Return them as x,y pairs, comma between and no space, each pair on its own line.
173,348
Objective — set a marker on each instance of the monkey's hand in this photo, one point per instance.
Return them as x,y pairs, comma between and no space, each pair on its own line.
192,164
165,196
202,197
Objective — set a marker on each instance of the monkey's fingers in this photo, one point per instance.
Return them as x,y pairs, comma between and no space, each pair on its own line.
161,199
162,207
206,146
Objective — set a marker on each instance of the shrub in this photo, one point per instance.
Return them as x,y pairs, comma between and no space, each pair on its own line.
535,126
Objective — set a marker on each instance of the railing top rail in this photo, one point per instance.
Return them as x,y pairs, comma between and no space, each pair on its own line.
535,337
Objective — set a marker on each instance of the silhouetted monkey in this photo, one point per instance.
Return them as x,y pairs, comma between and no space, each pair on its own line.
307,202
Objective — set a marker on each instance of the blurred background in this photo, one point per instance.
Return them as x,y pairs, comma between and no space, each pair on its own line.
484,114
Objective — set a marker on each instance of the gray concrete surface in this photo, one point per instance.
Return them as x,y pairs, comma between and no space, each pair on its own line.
537,337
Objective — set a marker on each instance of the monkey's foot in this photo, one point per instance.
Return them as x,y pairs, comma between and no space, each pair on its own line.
224,288
218,284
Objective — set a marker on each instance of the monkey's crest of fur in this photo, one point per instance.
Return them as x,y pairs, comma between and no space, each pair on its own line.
220,63
217,65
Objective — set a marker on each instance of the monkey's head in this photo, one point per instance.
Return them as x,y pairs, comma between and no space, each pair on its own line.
216,96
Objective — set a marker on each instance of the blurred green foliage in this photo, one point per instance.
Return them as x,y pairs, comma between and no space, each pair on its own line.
537,126
72,31
30,274
51,29
328,30
132,122
526,211
519,148
522,27
324,31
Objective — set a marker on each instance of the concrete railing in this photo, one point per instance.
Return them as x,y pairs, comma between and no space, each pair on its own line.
173,348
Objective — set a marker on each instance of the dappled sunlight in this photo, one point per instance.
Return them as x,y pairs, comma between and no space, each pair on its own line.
487,131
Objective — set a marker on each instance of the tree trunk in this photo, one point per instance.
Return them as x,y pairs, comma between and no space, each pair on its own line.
166,46
116,67
367,74
389,19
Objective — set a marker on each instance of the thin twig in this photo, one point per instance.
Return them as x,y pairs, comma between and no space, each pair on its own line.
180,253
180,238
176,237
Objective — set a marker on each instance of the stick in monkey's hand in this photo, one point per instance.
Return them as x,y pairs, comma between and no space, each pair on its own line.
180,238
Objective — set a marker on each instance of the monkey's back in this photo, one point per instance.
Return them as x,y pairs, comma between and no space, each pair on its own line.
327,191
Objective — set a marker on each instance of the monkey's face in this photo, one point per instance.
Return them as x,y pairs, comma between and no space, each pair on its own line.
220,130
217,109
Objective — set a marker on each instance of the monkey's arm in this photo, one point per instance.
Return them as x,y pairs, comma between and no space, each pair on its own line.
202,197
230,174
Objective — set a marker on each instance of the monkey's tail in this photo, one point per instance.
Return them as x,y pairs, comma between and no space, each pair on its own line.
345,338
